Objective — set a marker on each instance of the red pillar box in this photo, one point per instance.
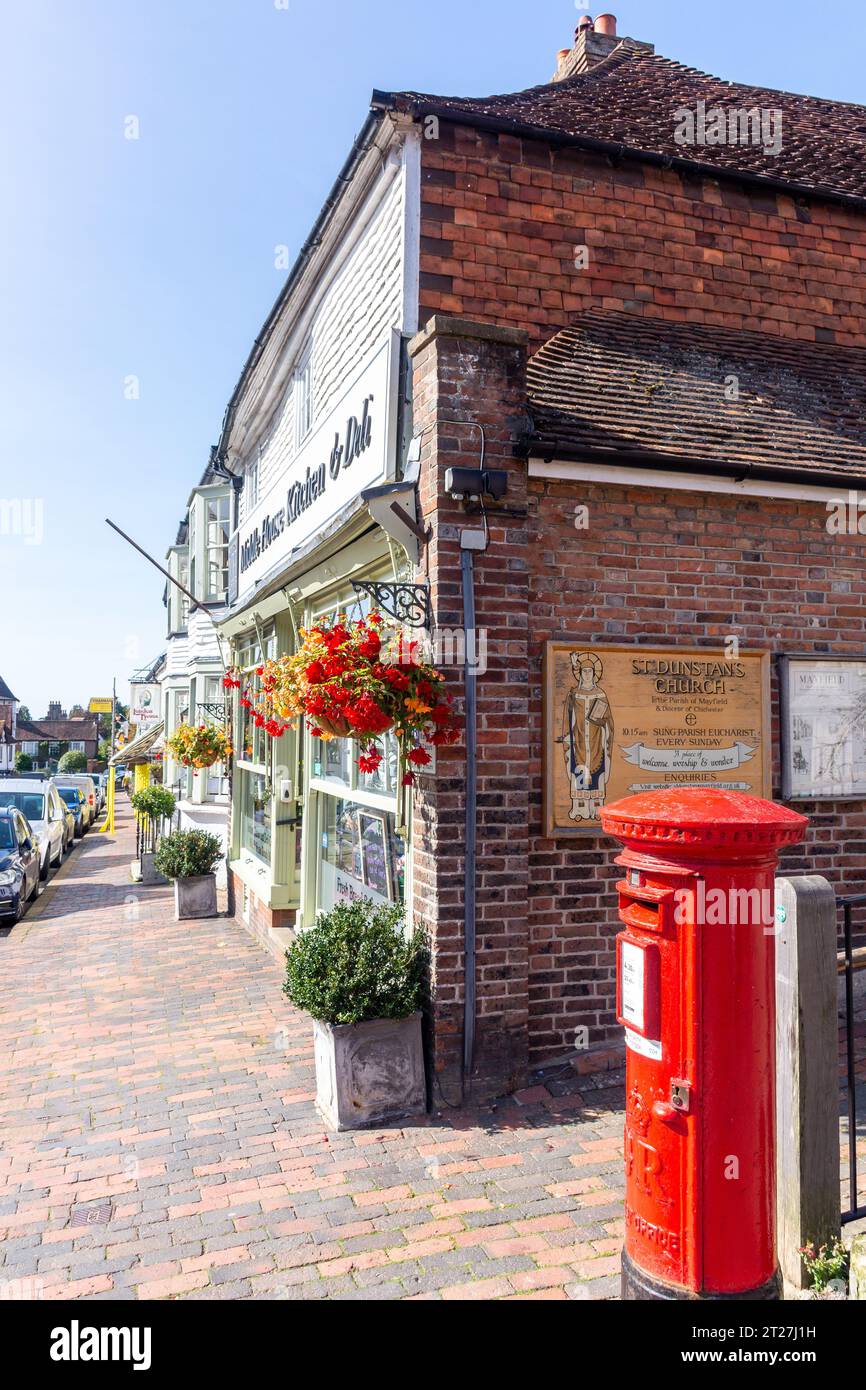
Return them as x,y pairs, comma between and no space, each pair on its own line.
695,994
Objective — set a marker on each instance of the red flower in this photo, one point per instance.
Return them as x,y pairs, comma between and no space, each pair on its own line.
419,757
315,673
398,680
408,779
440,738
369,761
368,717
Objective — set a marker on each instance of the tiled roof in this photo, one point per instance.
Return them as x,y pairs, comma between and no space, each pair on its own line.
630,99
84,730
624,383
5,692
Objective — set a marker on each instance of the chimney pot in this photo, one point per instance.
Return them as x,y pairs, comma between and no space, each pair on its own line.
606,24
583,23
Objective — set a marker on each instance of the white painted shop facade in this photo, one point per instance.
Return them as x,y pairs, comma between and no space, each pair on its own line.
320,415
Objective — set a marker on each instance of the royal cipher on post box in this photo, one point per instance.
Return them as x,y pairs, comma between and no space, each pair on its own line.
695,995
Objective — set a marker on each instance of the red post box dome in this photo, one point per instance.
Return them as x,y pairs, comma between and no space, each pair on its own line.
701,819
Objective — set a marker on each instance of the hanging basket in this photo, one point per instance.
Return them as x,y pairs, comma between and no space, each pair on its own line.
366,668
337,728
341,728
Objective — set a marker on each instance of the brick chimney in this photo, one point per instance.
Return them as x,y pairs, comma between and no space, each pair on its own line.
594,39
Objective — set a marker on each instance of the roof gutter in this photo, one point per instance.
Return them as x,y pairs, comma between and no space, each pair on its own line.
362,143
394,101
547,451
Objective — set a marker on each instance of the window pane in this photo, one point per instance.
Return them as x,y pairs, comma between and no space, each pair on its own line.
255,815
361,855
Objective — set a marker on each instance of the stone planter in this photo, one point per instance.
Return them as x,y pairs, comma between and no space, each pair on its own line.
367,1073
195,896
150,875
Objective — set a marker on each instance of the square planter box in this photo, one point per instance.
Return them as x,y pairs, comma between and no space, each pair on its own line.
149,874
367,1073
195,897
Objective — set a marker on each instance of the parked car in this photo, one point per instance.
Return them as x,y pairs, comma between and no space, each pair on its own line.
40,804
73,800
102,789
87,786
119,774
19,863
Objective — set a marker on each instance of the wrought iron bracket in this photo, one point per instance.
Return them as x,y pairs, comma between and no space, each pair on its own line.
216,712
408,603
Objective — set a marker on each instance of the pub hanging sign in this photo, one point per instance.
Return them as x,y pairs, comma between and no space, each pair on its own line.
619,720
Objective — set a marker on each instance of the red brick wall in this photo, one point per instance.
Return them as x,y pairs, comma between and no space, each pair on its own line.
668,567
261,917
466,372
501,218
654,567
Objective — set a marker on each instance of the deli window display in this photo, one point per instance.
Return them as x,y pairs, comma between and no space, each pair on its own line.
357,849
360,854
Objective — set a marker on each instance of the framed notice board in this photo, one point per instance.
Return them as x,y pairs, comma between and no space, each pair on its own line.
823,716
619,720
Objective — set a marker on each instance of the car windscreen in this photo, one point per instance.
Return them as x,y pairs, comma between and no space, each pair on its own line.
7,836
70,796
31,803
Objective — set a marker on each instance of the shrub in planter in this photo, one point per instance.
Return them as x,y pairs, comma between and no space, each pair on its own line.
156,803
362,978
189,857
152,806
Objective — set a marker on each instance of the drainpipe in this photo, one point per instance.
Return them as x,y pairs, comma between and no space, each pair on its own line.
467,570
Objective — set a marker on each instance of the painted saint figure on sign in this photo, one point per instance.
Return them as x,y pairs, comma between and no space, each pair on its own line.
587,737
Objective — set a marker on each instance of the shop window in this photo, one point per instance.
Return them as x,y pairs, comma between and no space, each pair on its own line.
252,774
360,854
358,851
255,803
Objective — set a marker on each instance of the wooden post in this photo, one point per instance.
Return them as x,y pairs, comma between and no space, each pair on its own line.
808,1202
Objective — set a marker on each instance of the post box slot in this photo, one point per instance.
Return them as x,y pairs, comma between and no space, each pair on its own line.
644,915
644,906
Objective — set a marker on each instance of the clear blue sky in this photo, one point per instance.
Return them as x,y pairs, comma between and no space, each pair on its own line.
155,257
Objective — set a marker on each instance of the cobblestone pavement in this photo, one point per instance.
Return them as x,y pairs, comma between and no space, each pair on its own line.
161,1141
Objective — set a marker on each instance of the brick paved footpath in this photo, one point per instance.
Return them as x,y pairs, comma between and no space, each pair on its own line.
160,1138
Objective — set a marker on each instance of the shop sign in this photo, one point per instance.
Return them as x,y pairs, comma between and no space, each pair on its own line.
144,706
352,448
622,719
